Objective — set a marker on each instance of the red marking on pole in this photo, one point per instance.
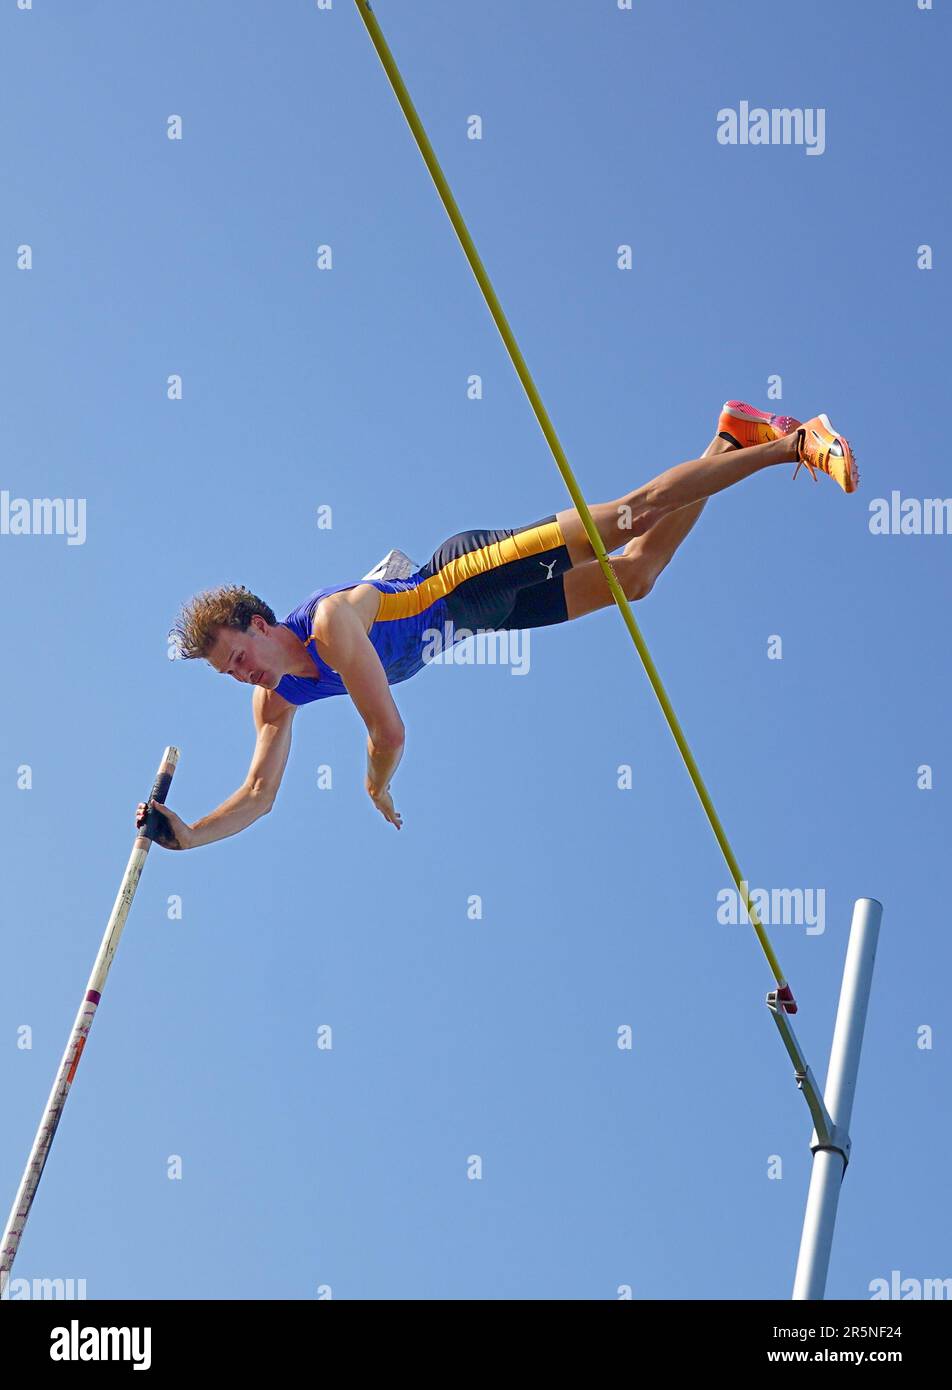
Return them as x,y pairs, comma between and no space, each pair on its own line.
75,1063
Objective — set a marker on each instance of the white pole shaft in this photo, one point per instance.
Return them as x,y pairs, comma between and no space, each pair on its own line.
80,1031
829,1165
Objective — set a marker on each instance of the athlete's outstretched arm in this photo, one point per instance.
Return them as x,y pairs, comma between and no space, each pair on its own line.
348,649
255,797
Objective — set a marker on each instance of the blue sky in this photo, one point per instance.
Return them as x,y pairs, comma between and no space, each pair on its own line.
346,1169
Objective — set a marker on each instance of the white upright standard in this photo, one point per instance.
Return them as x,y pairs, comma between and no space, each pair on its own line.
831,1142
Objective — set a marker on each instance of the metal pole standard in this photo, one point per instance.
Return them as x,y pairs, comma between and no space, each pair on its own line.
831,1150
84,1019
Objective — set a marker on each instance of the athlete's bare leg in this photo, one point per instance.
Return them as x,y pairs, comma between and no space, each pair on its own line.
637,512
643,558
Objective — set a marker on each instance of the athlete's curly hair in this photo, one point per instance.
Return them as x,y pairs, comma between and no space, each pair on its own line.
232,605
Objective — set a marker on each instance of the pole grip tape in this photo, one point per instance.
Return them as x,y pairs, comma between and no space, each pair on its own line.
160,789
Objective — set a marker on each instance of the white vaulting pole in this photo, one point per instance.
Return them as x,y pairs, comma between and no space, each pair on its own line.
830,1158
84,1019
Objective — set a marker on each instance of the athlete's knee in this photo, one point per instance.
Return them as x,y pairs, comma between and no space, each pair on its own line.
641,589
638,582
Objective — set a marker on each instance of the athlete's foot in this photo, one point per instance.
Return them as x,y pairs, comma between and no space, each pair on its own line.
744,425
820,447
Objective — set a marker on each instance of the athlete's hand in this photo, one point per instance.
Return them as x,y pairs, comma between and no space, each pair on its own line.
384,804
171,831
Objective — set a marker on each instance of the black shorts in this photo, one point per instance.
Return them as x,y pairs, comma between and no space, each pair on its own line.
503,579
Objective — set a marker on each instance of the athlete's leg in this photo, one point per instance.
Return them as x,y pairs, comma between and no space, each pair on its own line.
642,560
582,589
513,579
685,485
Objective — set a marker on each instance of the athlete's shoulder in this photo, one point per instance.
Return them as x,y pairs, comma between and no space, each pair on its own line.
301,618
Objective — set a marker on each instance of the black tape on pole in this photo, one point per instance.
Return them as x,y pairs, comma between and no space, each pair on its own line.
155,827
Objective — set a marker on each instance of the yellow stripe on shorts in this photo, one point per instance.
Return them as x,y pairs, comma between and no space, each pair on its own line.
533,541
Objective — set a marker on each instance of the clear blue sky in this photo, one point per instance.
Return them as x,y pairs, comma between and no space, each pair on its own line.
348,1168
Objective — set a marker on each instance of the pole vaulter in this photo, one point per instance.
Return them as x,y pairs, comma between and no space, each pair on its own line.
361,638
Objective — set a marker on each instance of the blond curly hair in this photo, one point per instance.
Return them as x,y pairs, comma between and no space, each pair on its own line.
197,626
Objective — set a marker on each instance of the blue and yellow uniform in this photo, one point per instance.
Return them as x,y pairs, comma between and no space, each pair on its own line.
477,581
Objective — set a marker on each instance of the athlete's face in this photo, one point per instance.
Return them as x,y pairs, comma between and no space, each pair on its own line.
252,657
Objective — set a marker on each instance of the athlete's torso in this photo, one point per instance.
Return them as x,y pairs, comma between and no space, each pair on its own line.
398,619
472,583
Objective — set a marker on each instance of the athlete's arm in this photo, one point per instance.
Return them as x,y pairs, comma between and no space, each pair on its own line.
350,652
255,797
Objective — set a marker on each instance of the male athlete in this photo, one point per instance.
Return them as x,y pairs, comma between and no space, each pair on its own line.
359,639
